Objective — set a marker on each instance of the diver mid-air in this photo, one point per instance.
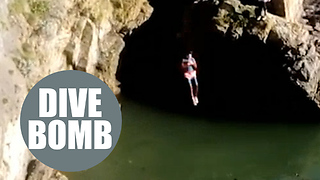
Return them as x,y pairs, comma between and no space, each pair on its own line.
189,67
262,9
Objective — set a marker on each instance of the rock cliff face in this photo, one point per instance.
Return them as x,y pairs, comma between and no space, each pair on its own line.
40,37
294,44
81,35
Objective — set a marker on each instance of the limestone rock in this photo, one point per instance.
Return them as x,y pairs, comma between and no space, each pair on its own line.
80,35
13,154
40,37
293,10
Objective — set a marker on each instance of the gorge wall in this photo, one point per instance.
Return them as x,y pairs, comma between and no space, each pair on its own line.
40,37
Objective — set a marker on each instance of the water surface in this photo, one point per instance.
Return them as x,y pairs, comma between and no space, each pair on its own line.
160,145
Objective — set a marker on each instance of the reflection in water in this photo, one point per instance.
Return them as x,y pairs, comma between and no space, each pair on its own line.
161,145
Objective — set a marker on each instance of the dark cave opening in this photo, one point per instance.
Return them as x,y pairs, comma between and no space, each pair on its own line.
237,79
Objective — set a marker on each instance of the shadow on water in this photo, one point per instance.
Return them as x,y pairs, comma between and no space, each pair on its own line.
243,78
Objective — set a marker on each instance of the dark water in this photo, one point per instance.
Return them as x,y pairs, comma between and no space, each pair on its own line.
156,145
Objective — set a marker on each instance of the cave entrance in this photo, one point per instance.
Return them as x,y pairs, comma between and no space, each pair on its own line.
243,78
277,7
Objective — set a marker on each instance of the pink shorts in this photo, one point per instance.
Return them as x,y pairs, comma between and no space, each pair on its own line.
190,74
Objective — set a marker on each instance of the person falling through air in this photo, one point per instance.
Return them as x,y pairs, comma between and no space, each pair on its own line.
262,9
189,67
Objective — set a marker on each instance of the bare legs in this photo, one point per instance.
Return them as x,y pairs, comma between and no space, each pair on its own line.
263,11
194,91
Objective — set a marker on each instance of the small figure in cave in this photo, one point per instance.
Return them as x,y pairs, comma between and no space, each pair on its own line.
262,9
215,2
189,67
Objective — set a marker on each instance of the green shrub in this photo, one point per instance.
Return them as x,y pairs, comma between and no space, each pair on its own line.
38,7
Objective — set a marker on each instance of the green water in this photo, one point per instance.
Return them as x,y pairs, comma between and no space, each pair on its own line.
157,145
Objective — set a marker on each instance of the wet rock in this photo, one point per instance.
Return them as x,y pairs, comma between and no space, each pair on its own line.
38,171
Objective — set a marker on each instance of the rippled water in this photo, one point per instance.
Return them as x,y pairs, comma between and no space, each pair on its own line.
156,145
